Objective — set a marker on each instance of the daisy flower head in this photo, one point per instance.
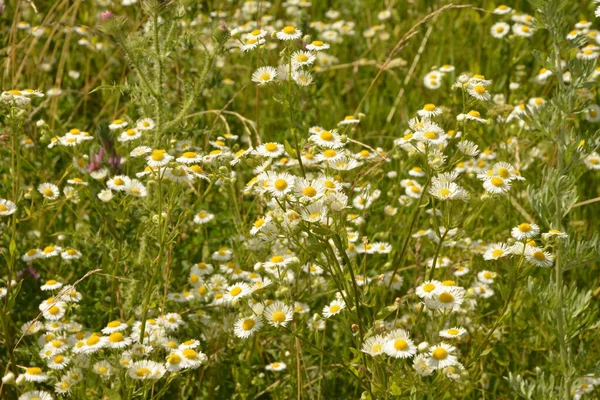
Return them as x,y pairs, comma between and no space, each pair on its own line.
317,45
36,395
502,10
349,120
117,124
479,92
118,182
302,58
427,289
276,366
333,308
114,326
496,185
453,333
289,33
537,256
522,30
472,115
146,369
237,291
35,374
278,314
441,356
49,191
158,158
51,284
145,124
399,345
429,110
247,326
264,75
496,251
250,43
373,346
271,150
7,207
280,184
446,298
525,231
486,276
136,188
302,78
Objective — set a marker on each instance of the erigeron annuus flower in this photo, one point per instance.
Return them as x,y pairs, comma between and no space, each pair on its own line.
278,314
468,148
48,191
271,149
427,289
499,30
237,291
247,326
349,120
279,184
146,369
317,45
136,188
276,366
117,124
441,356
502,9
114,326
429,111
35,374
51,285
264,75
35,395
472,115
399,345
496,251
522,30
539,257
525,231
118,182
129,135
58,362
145,124
479,92
302,78
203,217
446,298
448,191
333,308
189,157
453,333
302,58
7,207
486,276
496,185
289,33
158,158
373,346
315,212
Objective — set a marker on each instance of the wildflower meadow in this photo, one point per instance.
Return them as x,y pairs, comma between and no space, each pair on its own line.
299,199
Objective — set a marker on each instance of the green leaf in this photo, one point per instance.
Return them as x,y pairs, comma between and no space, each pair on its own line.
12,247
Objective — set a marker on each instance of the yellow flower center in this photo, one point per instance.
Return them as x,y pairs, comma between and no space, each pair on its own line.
34,371
278,316
539,255
248,324
54,310
50,282
400,344
440,353
174,359
446,297
102,370
524,227
158,155
235,291
302,58
474,113
116,337
429,107
48,192
444,192
92,340
479,89
289,30
141,372
190,354
271,147
309,191
276,259
317,43
3,208
280,184
498,253
452,332
334,308
58,359
429,287
497,181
